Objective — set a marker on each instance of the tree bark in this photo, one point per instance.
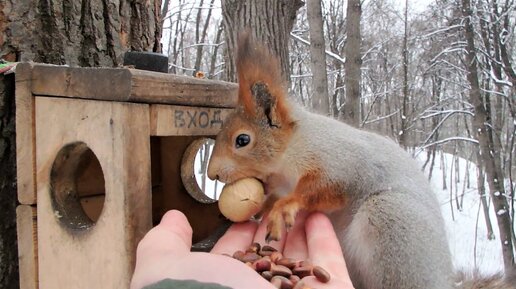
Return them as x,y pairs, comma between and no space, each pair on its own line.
269,21
483,128
483,200
351,109
8,196
436,99
78,33
335,29
320,99
404,107
214,53
201,36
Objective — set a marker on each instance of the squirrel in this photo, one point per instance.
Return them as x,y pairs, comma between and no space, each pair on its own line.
381,205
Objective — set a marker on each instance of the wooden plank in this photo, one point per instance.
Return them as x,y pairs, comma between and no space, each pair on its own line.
90,83
27,246
170,120
101,255
25,143
132,85
153,87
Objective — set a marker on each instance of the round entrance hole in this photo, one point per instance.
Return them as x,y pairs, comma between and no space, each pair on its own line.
77,186
194,171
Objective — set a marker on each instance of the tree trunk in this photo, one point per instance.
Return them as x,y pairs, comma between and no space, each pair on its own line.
8,196
483,200
320,99
76,33
214,53
270,22
404,107
484,132
351,110
436,99
200,36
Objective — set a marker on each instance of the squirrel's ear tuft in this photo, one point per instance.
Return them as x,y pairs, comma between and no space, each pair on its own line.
262,91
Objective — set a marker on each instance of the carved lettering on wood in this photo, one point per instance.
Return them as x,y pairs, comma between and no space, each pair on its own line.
169,120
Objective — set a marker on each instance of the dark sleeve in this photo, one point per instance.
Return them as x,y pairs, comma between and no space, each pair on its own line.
184,284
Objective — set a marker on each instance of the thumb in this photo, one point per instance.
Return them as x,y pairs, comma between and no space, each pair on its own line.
173,235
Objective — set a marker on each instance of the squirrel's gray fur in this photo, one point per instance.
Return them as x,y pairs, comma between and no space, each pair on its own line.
392,234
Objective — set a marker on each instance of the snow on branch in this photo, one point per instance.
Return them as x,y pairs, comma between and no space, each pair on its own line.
459,46
203,44
499,81
181,67
329,53
380,118
441,30
438,126
455,138
447,112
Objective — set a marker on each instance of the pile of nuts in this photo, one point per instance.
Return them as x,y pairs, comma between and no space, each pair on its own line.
282,272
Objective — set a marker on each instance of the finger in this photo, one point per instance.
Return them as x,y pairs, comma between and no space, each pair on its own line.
312,282
173,234
295,243
238,237
259,237
323,246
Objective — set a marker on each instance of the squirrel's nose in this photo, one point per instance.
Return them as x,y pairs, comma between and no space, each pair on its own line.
213,169
212,176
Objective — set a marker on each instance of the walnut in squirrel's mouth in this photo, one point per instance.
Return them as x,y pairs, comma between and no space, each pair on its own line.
264,185
242,199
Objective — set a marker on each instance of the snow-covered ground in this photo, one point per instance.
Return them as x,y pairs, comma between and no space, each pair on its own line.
467,232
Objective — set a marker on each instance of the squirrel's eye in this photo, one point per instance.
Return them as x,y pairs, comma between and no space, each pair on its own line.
242,140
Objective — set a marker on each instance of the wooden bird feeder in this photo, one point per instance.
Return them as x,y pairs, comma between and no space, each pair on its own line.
99,162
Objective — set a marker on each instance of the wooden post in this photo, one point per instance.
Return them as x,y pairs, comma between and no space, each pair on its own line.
27,246
25,155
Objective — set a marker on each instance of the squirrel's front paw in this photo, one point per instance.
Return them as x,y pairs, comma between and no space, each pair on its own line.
274,229
282,215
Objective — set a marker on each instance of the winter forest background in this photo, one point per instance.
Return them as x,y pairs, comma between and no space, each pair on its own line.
439,77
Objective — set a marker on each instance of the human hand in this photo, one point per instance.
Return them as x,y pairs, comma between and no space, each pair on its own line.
312,238
165,253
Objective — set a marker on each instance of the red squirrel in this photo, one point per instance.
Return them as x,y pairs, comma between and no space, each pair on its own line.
386,216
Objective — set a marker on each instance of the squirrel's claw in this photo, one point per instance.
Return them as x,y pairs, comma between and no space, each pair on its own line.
275,228
268,238
282,216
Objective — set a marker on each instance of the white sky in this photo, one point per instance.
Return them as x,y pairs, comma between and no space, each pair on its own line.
416,6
